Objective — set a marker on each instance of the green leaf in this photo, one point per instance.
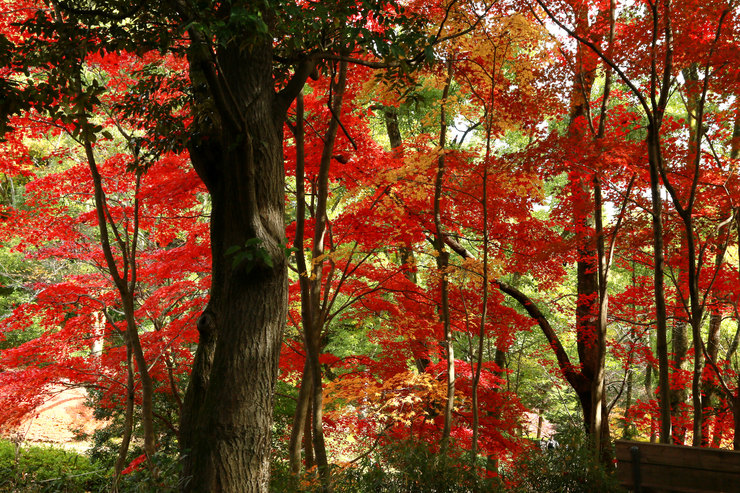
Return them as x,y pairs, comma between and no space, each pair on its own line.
232,250
239,258
252,242
268,260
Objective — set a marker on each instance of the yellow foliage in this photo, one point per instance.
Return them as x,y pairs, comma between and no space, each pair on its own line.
397,400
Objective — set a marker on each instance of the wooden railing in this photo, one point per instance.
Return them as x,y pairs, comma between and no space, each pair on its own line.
644,467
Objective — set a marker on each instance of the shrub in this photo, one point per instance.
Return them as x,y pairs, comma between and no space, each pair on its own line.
571,468
47,469
408,467
140,479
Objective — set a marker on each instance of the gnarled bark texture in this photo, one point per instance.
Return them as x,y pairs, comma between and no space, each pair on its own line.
237,151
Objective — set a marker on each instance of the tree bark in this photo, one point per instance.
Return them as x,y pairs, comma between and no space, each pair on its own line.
736,415
299,422
442,264
679,362
314,327
302,418
626,425
601,411
590,339
654,154
236,148
708,386
484,298
128,418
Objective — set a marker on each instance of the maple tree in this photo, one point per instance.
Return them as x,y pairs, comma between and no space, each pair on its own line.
669,26
130,245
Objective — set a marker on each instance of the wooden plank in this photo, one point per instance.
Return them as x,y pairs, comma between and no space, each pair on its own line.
682,456
680,468
679,454
685,480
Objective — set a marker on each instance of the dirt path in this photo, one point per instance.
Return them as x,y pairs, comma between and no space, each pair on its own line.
57,420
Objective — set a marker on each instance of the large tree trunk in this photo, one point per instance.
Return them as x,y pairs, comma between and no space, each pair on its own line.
237,152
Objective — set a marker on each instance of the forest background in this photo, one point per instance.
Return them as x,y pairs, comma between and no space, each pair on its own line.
352,244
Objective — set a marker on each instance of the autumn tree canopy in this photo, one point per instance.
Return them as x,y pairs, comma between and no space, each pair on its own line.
286,237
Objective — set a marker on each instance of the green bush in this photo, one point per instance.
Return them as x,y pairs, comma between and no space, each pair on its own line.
141,479
402,467
46,469
571,468
413,467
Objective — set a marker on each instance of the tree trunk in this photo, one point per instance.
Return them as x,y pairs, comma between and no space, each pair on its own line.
406,253
679,394
302,417
147,385
492,464
736,417
600,416
587,284
317,416
314,317
308,439
734,153
626,425
709,388
649,392
442,264
299,421
128,417
392,128
485,277
227,412
125,281
654,158
694,110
